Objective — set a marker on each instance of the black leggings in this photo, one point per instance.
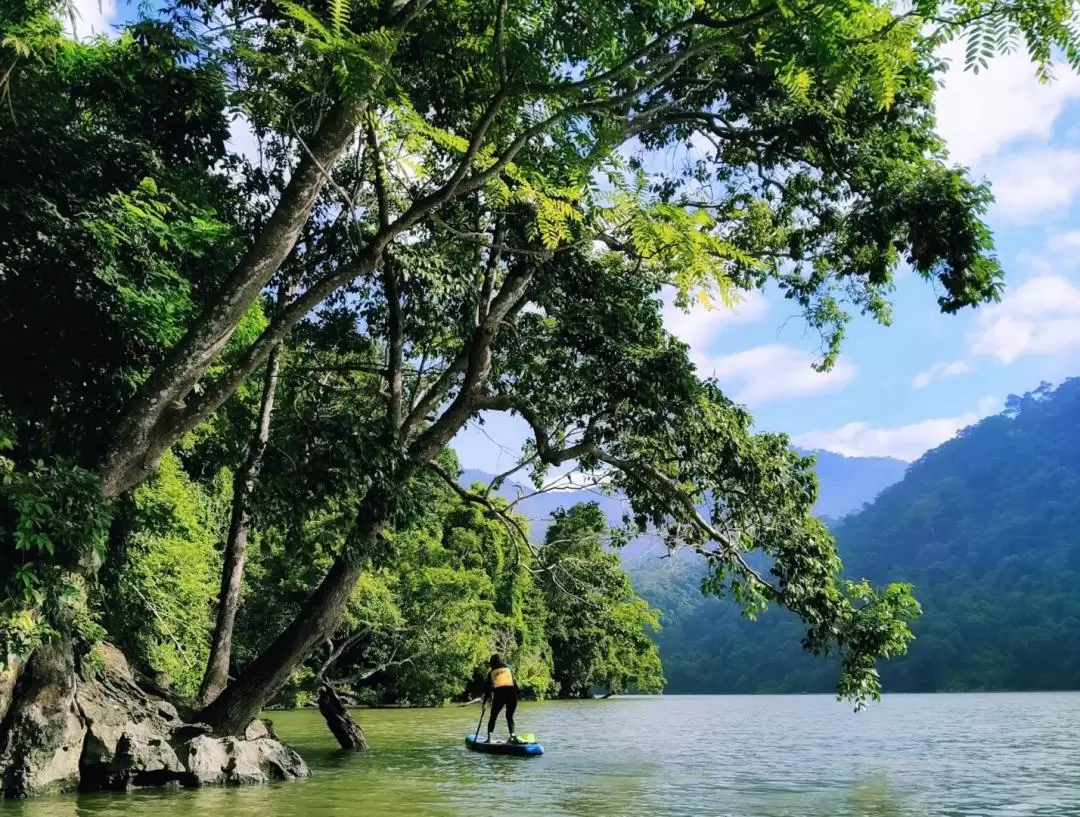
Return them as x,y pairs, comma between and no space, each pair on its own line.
504,696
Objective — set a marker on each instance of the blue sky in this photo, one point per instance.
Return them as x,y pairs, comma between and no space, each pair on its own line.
901,390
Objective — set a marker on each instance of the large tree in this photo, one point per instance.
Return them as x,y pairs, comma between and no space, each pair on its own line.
490,225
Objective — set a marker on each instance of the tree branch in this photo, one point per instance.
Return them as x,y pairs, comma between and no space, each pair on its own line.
480,179
483,500
510,299
136,443
500,45
381,194
730,549
395,346
633,470
702,18
622,67
500,478
490,270
159,416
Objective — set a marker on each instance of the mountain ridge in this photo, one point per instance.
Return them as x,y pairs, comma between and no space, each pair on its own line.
987,529
845,485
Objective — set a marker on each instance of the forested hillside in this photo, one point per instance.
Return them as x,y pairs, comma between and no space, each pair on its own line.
987,528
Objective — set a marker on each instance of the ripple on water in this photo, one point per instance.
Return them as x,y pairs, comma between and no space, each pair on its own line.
762,756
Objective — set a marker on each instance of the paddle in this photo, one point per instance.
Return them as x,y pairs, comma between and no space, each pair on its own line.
483,706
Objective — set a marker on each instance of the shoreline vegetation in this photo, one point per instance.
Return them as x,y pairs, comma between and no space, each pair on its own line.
262,264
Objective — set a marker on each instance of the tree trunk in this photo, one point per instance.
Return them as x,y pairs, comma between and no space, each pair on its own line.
145,430
347,731
242,700
148,425
232,567
234,708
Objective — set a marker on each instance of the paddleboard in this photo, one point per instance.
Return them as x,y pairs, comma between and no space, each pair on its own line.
500,748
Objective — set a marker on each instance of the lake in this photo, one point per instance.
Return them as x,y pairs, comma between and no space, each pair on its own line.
699,756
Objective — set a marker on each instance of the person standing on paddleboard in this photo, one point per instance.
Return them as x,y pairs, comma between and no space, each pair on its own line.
503,692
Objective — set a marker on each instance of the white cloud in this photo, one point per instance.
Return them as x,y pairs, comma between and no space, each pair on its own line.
757,375
1040,317
699,326
91,17
775,371
1067,242
1060,255
1034,183
979,114
907,442
939,371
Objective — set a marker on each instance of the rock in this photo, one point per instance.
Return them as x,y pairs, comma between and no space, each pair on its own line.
186,731
105,657
107,728
206,761
280,761
259,728
168,712
234,761
9,676
270,730
106,720
144,759
45,731
127,734
245,766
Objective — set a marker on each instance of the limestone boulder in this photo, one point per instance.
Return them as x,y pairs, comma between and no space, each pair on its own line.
237,762
44,738
101,726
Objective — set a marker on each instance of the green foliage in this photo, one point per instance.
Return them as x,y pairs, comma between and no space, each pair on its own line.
1046,28
496,177
685,457
53,524
985,528
707,647
159,585
116,222
421,624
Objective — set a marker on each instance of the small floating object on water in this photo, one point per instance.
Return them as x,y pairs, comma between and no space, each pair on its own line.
525,746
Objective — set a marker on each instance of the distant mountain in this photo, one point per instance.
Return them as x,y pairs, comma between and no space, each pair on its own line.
845,485
539,508
987,528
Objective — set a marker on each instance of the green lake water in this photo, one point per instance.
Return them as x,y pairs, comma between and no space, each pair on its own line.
761,756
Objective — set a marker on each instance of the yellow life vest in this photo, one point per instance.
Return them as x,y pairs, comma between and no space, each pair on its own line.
502,677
